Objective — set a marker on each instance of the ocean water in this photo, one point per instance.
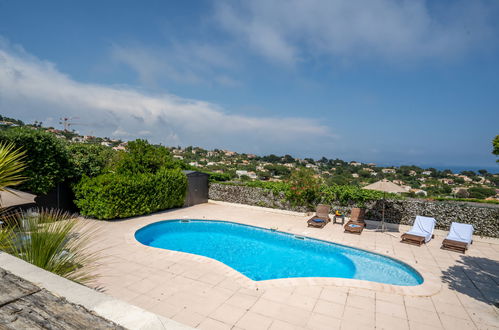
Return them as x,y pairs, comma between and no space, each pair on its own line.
262,254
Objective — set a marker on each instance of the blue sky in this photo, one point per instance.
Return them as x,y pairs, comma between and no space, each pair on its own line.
393,82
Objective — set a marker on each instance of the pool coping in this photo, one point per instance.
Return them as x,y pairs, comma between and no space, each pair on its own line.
429,287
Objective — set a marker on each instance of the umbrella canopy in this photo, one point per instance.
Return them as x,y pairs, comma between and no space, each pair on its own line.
12,197
385,186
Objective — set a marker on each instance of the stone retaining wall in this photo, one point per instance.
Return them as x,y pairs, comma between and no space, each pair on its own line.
484,217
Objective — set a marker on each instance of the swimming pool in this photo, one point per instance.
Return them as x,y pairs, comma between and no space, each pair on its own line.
263,254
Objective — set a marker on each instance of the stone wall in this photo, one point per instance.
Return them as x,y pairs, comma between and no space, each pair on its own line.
484,217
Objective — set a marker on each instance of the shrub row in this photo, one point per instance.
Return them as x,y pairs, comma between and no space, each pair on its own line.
114,196
342,194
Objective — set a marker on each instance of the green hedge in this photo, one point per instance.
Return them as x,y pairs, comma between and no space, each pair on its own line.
113,196
47,158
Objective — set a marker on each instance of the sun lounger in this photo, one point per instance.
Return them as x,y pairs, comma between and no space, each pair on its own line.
321,217
354,227
459,237
421,231
358,215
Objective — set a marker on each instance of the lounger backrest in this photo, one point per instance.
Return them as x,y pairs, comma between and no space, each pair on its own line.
357,214
322,211
424,224
462,231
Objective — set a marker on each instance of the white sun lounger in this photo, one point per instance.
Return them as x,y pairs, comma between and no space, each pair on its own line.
421,231
459,237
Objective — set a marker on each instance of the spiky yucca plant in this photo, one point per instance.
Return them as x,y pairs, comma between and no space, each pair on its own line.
11,165
54,240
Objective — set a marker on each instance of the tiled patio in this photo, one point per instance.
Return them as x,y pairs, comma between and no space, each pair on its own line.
206,294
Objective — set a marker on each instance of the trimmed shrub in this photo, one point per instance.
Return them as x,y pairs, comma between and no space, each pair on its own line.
47,158
114,196
89,159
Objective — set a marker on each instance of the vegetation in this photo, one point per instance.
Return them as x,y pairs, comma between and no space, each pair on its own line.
90,159
142,157
47,161
495,145
51,239
114,195
11,165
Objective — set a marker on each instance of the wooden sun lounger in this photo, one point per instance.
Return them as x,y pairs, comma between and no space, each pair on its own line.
354,227
413,239
322,213
454,245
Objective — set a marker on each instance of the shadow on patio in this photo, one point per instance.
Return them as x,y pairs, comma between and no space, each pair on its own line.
476,277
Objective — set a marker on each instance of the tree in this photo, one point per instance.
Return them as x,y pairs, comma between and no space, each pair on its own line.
481,192
304,187
142,157
90,159
483,172
495,145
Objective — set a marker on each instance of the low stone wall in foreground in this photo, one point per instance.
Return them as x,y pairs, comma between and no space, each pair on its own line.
483,217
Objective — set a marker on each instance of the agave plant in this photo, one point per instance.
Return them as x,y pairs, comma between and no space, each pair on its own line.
54,240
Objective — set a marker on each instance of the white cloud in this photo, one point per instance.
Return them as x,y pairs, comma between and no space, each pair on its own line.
34,89
290,30
181,62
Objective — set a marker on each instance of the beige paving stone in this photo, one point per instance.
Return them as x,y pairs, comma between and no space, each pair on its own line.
280,325
309,291
423,316
189,317
365,303
358,316
422,326
293,315
388,322
266,307
420,302
451,310
228,314
242,300
300,301
254,321
390,297
323,322
211,324
329,308
394,310
333,295
452,322
484,316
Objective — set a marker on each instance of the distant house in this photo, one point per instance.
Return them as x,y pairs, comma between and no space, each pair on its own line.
419,192
106,143
240,173
77,139
355,175
251,156
120,147
194,164
178,157
412,173
388,170
426,172
371,164
355,164
447,181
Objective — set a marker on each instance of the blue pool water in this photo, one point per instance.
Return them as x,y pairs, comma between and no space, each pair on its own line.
263,254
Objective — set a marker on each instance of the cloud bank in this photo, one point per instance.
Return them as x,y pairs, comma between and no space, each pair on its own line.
34,89
288,31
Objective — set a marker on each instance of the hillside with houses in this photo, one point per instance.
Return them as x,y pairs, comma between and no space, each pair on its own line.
231,165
